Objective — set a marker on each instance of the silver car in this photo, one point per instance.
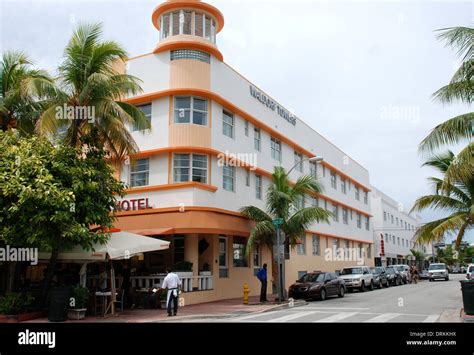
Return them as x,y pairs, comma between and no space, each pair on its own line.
359,277
438,271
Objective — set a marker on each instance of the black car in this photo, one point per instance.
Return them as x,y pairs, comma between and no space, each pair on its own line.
393,276
380,276
317,285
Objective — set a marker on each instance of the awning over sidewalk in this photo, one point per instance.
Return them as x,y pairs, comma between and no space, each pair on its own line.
122,245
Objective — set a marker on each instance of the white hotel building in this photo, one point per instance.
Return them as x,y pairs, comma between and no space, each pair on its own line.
200,108
393,230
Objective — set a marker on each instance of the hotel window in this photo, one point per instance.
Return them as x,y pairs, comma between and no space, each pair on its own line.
301,246
384,215
324,171
346,249
178,249
223,270
367,223
257,259
398,239
298,161
333,180
313,169
391,217
369,252
357,193
238,247
343,186
175,23
406,225
396,221
314,201
228,124
190,54
146,109
315,244
359,220
228,178
336,244
345,216
366,197
386,237
247,178
361,250
257,139
139,172
186,22
299,203
199,25
276,149
258,187
393,238
165,26
190,110
190,167
335,213
246,128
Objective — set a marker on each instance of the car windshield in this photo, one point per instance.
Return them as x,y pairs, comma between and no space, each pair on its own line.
376,270
352,271
400,268
389,270
437,267
312,278
471,268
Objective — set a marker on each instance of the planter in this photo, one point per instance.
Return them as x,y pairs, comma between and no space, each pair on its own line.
22,317
76,314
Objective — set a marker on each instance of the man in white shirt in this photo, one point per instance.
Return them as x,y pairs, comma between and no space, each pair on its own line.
172,283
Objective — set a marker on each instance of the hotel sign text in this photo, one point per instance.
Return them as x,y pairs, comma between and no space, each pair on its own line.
133,205
272,105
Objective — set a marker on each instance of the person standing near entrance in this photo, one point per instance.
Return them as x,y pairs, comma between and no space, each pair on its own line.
262,276
172,283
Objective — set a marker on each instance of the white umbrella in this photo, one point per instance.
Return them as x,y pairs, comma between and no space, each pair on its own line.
121,245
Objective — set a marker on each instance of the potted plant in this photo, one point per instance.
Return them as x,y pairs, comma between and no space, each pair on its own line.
78,302
184,269
206,270
14,306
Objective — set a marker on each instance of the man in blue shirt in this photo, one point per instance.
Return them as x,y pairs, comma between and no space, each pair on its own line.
262,276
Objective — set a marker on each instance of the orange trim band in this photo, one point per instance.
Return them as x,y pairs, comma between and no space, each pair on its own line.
188,44
178,185
180,4
219,99
176,209
338,237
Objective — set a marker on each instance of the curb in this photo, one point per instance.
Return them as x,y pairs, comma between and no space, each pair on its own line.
276,307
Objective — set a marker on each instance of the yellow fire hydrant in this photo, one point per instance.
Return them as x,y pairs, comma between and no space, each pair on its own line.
246,293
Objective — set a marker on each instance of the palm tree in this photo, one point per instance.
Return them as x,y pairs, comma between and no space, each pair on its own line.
21,87
91,88
455,197
460,88
282,199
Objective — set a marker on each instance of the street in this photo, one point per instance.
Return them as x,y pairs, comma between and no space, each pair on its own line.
423,302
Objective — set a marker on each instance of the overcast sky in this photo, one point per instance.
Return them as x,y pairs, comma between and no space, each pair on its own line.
361,73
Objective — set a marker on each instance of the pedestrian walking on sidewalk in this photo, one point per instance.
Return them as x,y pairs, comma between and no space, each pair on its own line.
173,284
262,276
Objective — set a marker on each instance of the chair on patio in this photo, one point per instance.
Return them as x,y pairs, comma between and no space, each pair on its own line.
120,299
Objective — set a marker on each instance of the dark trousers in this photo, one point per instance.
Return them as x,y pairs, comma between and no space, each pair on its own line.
263,291
173,299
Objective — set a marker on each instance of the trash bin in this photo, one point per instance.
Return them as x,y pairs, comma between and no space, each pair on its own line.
467,289
58,304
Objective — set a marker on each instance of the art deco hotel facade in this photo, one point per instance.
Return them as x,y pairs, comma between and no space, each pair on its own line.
201,109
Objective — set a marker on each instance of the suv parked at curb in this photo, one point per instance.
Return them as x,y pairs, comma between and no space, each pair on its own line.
359,277
438,271
403,269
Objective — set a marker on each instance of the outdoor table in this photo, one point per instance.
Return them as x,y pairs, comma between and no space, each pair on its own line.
105,297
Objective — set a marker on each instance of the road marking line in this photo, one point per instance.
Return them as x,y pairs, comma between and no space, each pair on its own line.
290,317
335,308
383,318
431,319
336,317
250,316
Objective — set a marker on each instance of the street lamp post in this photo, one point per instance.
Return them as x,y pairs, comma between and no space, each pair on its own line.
277,223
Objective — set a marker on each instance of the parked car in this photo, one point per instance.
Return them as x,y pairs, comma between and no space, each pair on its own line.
393,276
438,271
424,274
403,269
359,277
317,285
380,277
470,272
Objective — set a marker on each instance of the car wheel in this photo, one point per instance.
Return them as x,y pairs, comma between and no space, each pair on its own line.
397,282
431,280
362,287
446,279
341,291
323,295
371,286
387,285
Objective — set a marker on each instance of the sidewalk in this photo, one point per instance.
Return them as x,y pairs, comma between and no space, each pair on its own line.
217,309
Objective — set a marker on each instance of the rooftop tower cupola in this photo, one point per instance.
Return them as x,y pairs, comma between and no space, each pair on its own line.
188,24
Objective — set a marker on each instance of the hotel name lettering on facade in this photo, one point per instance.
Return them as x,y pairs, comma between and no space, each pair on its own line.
133,205
272,105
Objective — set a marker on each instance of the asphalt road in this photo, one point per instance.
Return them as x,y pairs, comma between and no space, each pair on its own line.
423,302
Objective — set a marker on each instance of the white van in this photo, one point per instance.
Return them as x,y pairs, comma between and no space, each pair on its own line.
470,272
438,271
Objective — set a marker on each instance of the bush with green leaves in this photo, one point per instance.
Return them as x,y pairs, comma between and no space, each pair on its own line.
80,295
15,303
